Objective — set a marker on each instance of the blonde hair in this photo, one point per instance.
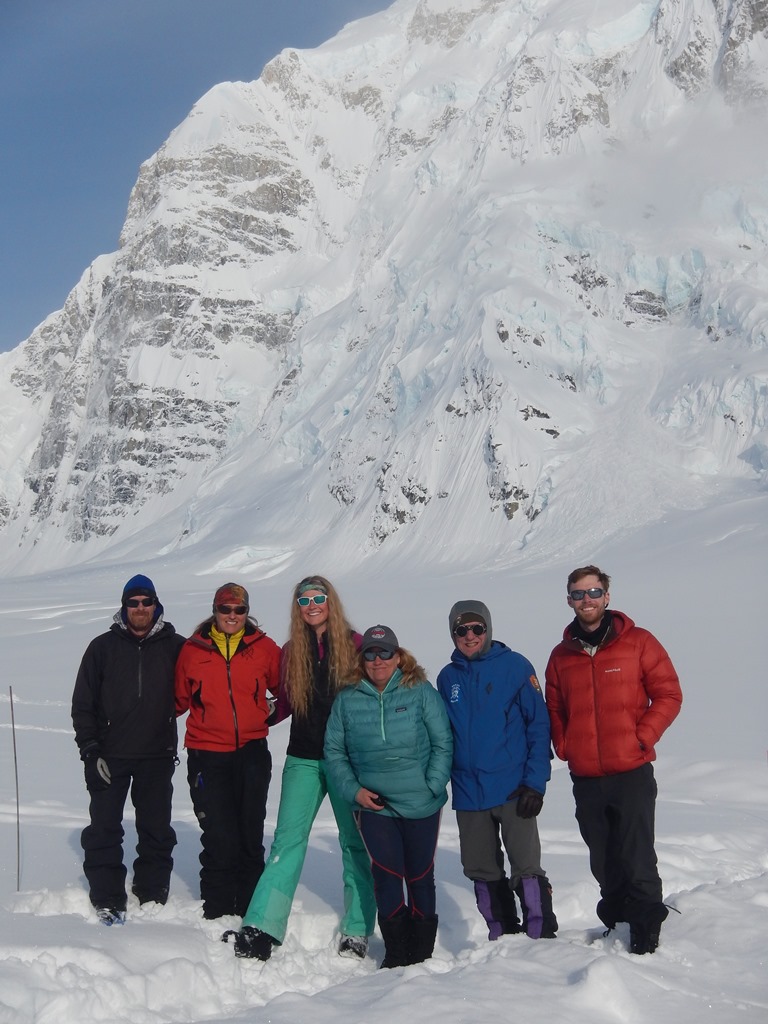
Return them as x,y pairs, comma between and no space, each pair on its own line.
342,655
413,673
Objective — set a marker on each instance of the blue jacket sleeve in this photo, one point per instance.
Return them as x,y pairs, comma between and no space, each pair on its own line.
538,767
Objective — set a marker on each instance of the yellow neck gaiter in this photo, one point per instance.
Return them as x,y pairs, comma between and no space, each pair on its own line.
227,642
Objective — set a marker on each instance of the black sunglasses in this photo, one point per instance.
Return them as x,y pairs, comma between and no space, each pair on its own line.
231,609
475,628
384,655
140,602
593,592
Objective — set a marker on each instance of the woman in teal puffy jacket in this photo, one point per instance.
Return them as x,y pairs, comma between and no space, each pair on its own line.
388,750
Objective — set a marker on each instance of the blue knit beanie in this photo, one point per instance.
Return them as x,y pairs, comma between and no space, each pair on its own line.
138,585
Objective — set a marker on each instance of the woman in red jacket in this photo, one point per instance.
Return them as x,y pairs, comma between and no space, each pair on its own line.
222,677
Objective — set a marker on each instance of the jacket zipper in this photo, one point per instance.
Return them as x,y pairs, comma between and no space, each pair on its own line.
379,695
232,699
592,654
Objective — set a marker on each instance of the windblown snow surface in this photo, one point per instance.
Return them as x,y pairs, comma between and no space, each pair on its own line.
697,581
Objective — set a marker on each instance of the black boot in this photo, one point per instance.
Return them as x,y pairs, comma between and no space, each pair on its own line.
159,895
510,922
251,943
535,895
610,910
423,935
645,921
496,902
396,932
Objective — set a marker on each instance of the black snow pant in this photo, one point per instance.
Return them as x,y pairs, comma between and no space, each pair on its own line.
149,781
616,816
229,795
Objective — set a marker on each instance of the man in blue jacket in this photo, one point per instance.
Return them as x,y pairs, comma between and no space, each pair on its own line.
501,766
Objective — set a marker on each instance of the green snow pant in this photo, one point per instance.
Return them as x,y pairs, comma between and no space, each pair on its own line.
304,787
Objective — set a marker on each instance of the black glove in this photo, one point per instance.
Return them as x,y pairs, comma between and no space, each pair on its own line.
97,774
251,943
529,802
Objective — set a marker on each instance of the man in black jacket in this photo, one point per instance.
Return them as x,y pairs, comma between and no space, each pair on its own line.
124,717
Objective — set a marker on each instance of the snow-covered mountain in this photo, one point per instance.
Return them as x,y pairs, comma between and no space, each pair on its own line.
476,284
473,273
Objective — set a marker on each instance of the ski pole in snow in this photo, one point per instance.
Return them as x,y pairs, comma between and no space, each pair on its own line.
16,773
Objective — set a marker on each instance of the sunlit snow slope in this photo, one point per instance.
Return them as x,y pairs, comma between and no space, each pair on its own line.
485,268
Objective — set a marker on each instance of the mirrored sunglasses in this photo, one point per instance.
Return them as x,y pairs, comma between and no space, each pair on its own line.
593,592
475,628
382,655
232,609
305,602
140,602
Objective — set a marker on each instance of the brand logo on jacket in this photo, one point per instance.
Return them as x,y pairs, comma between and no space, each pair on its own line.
455,693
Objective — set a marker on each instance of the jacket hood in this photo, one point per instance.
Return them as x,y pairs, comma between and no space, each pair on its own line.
119,621
496,648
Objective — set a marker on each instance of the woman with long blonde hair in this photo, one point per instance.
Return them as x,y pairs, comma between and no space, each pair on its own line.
319,660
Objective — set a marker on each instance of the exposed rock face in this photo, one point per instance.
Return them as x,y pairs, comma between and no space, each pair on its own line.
411,265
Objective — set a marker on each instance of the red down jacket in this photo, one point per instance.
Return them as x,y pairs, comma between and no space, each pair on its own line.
226,700
608,710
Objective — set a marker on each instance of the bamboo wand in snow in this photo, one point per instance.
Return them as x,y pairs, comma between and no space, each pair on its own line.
16,772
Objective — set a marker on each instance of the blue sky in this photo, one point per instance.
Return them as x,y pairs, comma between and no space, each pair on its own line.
89,89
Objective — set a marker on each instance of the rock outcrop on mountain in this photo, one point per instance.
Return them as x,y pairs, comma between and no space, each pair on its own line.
471,267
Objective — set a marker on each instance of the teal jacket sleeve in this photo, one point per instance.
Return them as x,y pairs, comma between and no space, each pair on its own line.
441,739
337,761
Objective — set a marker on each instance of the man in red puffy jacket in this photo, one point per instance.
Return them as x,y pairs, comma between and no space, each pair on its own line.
611,691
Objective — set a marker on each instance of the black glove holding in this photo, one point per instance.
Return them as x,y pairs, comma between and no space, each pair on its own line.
529,802
97,774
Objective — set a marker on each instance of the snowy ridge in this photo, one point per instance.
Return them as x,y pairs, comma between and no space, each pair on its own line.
466,263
